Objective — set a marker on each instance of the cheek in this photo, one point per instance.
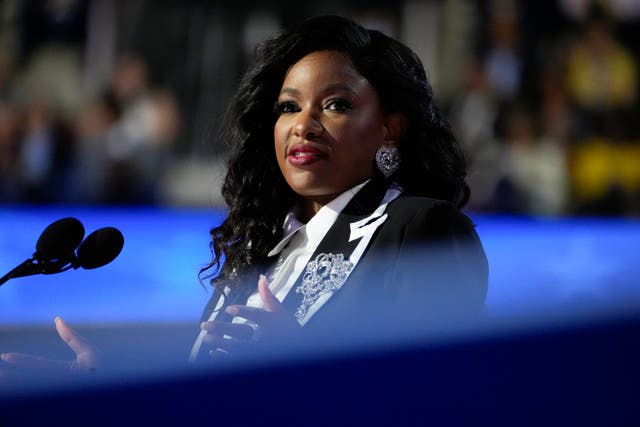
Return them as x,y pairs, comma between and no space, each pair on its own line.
279,138
360,140
279,142
277,132
364,127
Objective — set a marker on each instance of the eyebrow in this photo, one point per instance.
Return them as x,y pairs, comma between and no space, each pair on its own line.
329,88
289,90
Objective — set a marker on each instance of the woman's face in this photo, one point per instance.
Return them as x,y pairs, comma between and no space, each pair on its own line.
329,127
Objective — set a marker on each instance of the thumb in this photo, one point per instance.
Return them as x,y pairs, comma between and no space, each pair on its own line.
269,300
73,340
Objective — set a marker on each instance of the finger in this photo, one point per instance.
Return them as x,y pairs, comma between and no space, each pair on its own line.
79,346
253,314
234,346
219,354
269,300
31,361
211,339
227,345
214,340
236,330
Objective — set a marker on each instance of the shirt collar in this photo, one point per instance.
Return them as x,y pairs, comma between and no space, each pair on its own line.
318,225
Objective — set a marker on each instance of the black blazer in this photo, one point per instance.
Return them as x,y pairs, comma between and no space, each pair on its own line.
423,266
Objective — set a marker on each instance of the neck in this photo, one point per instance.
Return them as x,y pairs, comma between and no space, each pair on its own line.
310,206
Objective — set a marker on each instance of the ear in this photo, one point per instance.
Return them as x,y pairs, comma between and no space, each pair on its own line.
395,125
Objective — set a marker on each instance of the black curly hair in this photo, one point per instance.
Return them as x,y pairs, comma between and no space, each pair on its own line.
258,196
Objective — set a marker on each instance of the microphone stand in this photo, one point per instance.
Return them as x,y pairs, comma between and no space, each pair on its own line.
35,265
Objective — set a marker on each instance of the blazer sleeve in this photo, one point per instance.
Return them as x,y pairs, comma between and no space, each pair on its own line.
441,271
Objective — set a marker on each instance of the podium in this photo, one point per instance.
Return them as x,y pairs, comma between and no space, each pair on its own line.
587,374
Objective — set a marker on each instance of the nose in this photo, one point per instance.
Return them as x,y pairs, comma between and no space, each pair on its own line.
307,126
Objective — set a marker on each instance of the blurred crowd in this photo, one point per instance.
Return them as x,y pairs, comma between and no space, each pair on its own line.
111,150
548,111
551,121
62,141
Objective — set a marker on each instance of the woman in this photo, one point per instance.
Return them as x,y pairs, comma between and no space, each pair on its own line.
365,171
343,189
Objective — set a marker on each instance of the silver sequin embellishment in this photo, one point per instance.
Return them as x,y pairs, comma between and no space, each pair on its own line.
326,273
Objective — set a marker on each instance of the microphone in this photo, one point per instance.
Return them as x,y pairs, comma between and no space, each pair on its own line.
57,243
99,248
59,239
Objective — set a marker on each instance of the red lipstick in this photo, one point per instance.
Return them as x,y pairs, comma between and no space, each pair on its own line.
302,155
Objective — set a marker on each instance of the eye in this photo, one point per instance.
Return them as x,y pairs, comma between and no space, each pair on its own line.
286,107
339,105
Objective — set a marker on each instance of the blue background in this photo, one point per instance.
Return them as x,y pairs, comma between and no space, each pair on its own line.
536,265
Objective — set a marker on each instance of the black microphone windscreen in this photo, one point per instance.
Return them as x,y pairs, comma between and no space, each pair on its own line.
100,248
60,238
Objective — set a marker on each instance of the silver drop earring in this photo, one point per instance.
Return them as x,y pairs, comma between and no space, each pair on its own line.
388,160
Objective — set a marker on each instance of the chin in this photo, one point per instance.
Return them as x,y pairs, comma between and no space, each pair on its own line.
315,191
306,183
314,185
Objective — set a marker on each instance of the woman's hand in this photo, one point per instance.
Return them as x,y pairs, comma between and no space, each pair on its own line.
86,356
268,326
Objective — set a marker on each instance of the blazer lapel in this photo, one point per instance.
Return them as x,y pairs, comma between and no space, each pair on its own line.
340,250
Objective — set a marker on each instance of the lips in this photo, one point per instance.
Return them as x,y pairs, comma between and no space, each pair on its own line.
302,155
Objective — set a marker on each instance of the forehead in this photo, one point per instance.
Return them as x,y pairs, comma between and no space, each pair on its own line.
326,66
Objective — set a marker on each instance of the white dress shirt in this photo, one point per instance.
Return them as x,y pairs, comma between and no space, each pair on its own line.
299,243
